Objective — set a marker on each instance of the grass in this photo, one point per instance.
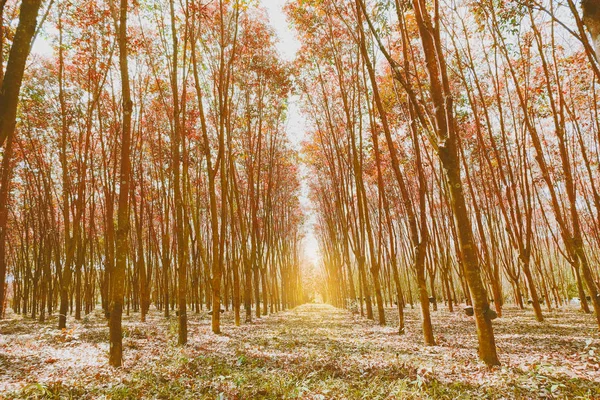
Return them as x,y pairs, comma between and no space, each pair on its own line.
312,352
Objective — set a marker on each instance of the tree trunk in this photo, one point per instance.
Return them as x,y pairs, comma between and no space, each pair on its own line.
15,67
448,154
118,277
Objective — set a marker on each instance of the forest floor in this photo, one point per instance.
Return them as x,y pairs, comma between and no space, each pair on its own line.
312,352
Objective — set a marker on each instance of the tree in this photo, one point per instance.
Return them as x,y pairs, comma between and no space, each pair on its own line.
122,237
10,87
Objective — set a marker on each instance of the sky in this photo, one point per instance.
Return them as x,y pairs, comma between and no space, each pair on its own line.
288,45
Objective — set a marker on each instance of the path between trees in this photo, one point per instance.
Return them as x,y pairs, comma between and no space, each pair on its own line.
314,351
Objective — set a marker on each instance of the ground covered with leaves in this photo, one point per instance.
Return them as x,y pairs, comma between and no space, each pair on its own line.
312,352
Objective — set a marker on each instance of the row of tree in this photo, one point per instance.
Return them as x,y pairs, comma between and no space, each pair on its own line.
456,151
149,165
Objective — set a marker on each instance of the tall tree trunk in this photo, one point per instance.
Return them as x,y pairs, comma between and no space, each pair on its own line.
118,276
179,223
15,67
448,153
4,198
10,81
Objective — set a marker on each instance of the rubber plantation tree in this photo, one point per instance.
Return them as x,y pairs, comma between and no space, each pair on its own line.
517,208
417,226
10,87
568,219
122,237
73,175
446,129
446,145
12,78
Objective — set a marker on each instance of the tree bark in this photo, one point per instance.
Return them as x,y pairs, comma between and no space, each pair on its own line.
15,67
448,155
118,274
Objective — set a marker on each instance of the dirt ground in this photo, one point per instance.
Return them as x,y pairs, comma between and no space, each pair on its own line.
312,352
